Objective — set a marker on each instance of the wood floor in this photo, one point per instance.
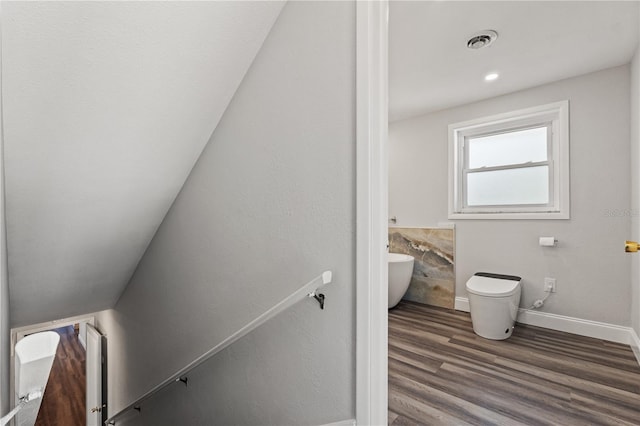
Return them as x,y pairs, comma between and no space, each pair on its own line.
441,373
63,403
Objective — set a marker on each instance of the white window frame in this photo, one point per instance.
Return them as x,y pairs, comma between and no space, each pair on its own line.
555,117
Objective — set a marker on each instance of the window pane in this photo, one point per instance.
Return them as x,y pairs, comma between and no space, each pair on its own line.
529,185
508,148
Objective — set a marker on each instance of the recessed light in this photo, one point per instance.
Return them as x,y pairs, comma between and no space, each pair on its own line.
491,76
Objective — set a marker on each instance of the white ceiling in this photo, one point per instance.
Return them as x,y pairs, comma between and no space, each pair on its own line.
539,42
107,106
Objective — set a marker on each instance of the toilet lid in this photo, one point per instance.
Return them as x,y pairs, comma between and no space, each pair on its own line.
493,285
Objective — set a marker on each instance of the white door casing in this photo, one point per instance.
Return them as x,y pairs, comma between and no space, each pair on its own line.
94,377
371,216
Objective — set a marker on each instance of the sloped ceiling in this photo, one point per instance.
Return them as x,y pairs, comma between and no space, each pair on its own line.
431,68
107,106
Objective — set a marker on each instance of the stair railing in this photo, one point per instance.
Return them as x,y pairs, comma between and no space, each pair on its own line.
182,376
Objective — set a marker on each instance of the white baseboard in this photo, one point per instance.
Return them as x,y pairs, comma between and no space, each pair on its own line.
582,327
461,304
350,422
598,330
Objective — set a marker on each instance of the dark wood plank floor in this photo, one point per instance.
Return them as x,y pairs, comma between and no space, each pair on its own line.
441,373
63,403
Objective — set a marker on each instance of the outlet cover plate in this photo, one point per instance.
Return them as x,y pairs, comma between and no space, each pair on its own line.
550,284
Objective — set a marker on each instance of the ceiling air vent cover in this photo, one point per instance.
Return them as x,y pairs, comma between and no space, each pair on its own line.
482,39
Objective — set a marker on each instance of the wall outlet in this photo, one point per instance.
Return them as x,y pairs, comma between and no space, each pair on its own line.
550,285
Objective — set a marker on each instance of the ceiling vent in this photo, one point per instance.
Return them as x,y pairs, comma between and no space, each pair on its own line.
482,39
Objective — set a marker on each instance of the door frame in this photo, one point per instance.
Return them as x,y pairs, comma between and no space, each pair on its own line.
19,333
102,342
371,211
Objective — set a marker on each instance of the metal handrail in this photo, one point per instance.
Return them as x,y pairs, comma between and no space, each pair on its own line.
308,290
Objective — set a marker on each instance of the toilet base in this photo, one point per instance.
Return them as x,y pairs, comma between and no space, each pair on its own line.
494,334
494,317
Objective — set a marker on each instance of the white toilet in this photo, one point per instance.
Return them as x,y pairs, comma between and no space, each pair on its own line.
493,301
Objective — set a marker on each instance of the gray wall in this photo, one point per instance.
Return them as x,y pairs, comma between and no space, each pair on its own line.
635,188
108,106
268,207
5,332
5,326
591,269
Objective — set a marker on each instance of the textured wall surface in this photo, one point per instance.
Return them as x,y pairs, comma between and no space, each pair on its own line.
268,207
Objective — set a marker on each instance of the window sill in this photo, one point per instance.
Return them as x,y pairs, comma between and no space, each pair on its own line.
511,215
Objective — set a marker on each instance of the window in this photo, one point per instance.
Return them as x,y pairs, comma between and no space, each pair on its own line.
511,166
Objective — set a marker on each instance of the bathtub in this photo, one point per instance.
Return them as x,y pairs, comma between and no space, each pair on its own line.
33,360
400,272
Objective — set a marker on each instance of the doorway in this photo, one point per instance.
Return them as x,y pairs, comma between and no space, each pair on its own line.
64,399
485,71
76,389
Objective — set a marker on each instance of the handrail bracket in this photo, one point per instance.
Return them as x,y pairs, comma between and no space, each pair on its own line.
319,297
